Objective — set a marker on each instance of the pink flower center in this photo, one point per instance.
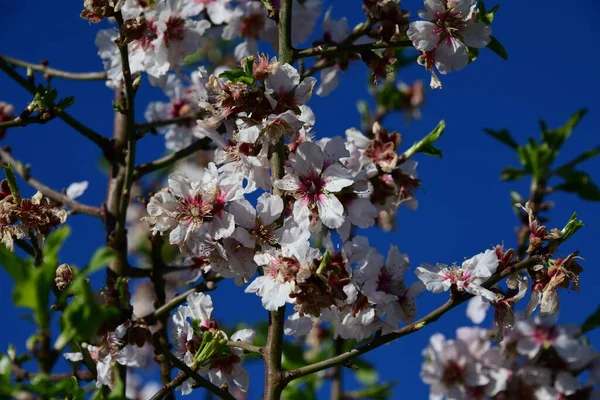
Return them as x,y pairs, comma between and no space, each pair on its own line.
387,284
251,26
193,210
284,268
545,334
311,188
453,374
175,30
457,275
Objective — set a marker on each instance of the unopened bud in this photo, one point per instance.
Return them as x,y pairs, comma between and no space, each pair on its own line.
64,276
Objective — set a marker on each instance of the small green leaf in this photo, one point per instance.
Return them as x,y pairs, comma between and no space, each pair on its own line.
512,174
555,138
592,322
571,227
12,182
248,67
54,243
503,136
586,155
581,183
101,258
425,145
15,266
367,375
237,75
497,48
473,53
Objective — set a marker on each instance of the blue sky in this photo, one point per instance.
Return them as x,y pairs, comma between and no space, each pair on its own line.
463,206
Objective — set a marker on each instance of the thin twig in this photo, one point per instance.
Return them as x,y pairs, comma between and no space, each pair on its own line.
408,329
206,286
250,348
52,194
166,161
56,73
143,128
19,122
90,134
325,50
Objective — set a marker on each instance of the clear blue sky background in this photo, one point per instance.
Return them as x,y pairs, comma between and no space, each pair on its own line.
464,208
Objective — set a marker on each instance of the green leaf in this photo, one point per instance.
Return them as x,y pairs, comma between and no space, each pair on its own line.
592,322
512,174
367,375
101,258
503,136
571,227
81,318
489,16
248,67
12,181
555,138
473,53
42,385
497,48
425,145
15,266
34,292
586,155
581,183
237,75
54,243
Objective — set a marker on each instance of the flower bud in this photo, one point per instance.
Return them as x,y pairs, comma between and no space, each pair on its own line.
64,276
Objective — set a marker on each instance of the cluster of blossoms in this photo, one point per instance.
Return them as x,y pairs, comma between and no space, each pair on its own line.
26,218
329,187
160,34
538,360
444,38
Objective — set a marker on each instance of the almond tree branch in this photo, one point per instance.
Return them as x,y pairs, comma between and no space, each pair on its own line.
325,50
166,161
408,329
22,122
191,373
143,128
77,76
52,194
272,352
90,134
207,286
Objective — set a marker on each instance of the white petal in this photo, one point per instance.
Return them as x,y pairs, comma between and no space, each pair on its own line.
76,189
331,211
477,309
423,36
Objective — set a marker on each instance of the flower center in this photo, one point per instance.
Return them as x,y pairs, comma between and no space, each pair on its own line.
193,210
453,374
175,30
311,188
251,26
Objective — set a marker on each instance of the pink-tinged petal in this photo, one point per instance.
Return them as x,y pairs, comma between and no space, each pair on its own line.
288,183
433,9
336,178
331,211
423,35
329,81
462,8
244,213
308,159
434,282
451,55
476,34
269,208
241,235
222,225
477,309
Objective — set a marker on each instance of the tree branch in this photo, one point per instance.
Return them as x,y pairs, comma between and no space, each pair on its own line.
191,372
207,286
87,132
408,329
17,122
77,76
250,348
326,50
166,161
143,128
52,194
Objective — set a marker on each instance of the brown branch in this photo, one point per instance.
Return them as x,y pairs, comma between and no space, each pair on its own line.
19,122
56,73
337,386
87,132
145,169
249,348
207,286
408,329
52,194
143,128
325,50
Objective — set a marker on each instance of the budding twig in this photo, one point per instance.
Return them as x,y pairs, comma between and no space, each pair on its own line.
52,194
145,169
325,50
56,73
90,134
408,329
